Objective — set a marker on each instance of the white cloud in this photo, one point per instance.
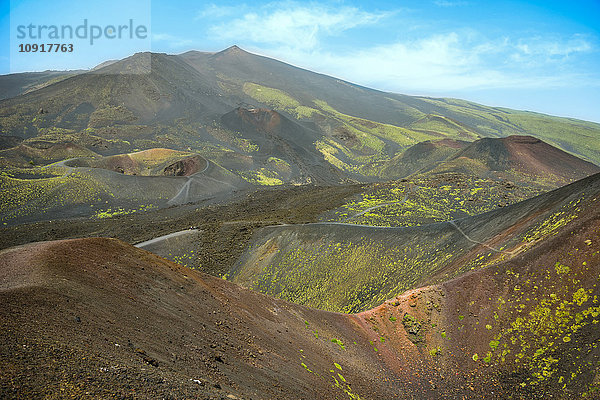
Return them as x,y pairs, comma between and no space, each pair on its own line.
553,48
293,25
453,61
464,59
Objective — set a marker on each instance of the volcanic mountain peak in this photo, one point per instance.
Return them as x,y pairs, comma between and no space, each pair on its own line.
526,156
521,139
233,49
232,52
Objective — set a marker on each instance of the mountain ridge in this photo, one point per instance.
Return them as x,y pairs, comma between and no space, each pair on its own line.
222,75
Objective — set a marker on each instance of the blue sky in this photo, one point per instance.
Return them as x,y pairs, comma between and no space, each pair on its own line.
533,55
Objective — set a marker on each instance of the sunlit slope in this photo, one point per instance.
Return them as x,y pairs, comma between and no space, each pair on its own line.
453,179
526,160
530,321
424,199
346,106
351,268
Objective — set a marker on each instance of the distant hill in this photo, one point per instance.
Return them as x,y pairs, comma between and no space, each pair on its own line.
523,159
88,185
13,85
31,154
422,157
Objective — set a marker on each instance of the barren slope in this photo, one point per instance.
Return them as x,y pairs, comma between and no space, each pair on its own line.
98,317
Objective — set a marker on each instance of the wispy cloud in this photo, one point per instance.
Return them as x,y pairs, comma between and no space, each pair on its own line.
294,25
219,11
553,49
457,61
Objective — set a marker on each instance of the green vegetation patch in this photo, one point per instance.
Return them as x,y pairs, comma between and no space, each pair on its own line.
262,177
412,326
278,99
344,276
554,222
426,200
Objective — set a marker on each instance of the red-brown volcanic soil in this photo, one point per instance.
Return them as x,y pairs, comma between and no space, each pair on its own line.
262,119
99,318
532,154
186,167
156,161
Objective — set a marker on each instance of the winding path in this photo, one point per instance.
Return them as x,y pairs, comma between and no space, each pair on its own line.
344,222
475,241
184,192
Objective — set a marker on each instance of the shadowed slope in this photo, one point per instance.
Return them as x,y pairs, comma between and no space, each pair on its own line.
422,157
278,136
12,85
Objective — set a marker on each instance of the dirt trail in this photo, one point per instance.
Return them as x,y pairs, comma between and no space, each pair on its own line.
165,237
453,223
